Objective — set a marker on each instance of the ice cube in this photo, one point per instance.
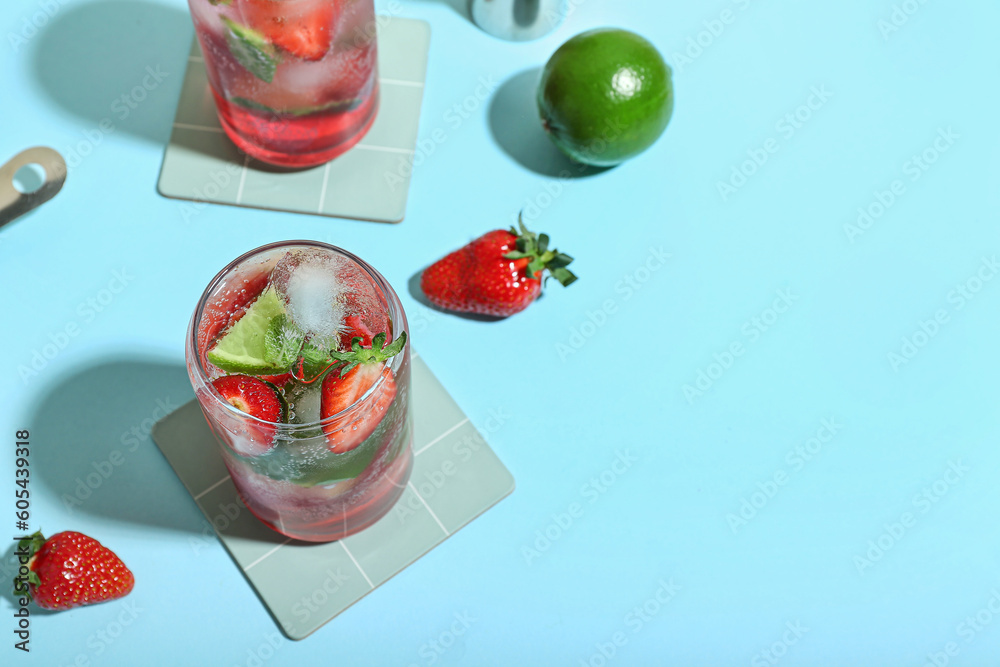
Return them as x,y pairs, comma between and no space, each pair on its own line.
300,90
315,297
305,79
304,401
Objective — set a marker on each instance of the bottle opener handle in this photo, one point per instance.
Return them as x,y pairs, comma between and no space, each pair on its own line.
14,203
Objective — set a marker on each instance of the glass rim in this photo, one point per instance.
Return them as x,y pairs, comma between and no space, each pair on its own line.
392,302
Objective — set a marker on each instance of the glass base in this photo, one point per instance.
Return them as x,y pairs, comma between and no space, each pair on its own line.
364,114
352,520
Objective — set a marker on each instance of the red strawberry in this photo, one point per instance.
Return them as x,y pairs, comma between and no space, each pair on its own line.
277,380
259,399
306,33
225,309
342,389
70,569
356,328
498,274
253,396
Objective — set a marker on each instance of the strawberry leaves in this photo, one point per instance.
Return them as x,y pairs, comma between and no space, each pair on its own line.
29,545
378,353
535,247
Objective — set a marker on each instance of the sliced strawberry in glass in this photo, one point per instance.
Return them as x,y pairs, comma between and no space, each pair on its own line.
303,28
356,328
341,389
258,399
278,381
340,392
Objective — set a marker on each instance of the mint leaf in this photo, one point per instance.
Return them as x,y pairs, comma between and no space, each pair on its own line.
252,50
335,106
282,342
315,362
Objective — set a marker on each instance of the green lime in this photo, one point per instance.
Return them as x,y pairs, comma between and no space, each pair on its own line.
262,342
605,96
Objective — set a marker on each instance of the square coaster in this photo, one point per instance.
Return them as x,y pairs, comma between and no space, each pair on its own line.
371,181
456,477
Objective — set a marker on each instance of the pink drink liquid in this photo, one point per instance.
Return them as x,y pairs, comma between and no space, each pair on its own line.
295,81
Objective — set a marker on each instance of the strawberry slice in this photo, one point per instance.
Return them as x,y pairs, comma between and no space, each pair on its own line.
356,328
251,395
363,368
304,30
342,391
277,380
227,308
259,399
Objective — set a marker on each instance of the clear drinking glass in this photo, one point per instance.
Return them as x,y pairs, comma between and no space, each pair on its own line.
295,81
312,478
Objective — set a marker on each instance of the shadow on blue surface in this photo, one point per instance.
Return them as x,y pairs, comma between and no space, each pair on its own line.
104,61
460,6
95,456
517,129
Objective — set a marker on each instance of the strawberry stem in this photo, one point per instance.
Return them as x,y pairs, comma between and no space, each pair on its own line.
378,353
313,363
31,544
535,247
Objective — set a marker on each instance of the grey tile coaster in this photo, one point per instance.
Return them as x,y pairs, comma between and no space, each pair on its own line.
368,182
331,577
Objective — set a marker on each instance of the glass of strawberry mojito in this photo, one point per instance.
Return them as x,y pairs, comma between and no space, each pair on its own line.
299,358
295,81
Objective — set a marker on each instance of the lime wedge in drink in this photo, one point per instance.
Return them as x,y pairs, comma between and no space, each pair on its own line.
262,342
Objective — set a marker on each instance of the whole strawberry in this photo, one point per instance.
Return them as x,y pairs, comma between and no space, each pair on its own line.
70,569
498,274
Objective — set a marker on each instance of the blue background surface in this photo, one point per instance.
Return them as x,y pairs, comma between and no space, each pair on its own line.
571,396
